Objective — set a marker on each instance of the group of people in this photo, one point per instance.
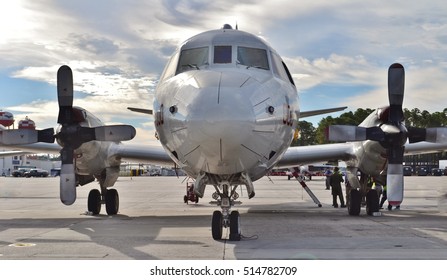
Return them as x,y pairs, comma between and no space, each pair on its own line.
334,180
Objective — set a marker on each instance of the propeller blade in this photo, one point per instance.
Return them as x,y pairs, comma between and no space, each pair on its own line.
431,134
396,84
436,135
67,177
114,133
18,136
416,134
67,184
65,94
46,135
355,133
26,136
395,179
395,184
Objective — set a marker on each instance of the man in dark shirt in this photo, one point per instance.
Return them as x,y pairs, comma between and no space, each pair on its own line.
335,181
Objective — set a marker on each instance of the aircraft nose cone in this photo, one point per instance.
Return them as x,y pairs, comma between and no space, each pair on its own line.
227,119
219,125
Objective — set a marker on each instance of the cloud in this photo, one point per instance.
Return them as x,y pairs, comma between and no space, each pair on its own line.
117,49
334,70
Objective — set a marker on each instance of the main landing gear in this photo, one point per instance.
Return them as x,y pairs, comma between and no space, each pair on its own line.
363,195
109,197
224,219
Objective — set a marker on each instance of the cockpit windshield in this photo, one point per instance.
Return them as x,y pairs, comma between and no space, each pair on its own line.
252,57
197,58
191,59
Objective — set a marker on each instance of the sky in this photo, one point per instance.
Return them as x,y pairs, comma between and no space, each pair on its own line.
337,51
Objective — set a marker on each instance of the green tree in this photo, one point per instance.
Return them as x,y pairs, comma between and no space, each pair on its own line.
348,118
307,134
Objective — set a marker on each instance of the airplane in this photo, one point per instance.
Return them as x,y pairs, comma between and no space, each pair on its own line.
225,111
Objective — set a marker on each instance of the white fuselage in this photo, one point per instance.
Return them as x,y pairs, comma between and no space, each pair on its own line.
227,109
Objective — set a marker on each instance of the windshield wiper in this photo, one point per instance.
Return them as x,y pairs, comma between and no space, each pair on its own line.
192,66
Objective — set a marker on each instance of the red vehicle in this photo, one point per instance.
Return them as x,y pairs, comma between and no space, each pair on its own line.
190,195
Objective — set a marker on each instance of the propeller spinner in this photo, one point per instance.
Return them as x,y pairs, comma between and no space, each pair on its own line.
73,135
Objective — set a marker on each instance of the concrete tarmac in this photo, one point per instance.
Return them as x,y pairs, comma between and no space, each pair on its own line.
280,222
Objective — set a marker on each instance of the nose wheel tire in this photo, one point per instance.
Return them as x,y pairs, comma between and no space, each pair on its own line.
112,202
235,226
94,202
217,225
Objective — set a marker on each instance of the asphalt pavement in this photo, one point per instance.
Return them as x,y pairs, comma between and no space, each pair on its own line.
281,222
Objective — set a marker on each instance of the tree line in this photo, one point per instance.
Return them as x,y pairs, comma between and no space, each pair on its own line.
310,135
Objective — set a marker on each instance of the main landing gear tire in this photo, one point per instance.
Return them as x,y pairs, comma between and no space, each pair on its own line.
235,226
94,202
217,225
372,202
354,203
112,202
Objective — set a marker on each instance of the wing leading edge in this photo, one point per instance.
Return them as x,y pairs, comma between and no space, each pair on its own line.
295,156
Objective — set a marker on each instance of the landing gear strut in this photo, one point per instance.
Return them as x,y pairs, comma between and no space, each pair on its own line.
225,218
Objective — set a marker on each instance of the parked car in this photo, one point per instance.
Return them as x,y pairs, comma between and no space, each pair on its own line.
408,171
436,172
421,171
19,172
36,173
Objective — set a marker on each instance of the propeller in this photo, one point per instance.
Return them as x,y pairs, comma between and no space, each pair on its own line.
392,134
395,135
72,135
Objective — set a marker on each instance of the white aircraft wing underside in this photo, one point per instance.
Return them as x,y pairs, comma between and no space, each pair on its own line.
142,154
309,154
424,148
344,151
36,148
11,153
133,153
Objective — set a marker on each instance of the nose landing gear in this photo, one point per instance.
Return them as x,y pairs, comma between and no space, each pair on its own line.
224,219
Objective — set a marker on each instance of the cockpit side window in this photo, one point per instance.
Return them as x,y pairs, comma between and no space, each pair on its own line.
280,69
170,68
222,54
191,59
252,57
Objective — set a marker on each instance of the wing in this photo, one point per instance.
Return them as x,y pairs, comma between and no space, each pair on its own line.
306,114
424,148
295,156
11,153
141,154
139,110
135,153
35,148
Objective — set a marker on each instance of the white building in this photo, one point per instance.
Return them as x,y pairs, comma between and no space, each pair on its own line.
11,163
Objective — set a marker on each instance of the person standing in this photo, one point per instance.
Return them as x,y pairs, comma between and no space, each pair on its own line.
335,181
328,174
